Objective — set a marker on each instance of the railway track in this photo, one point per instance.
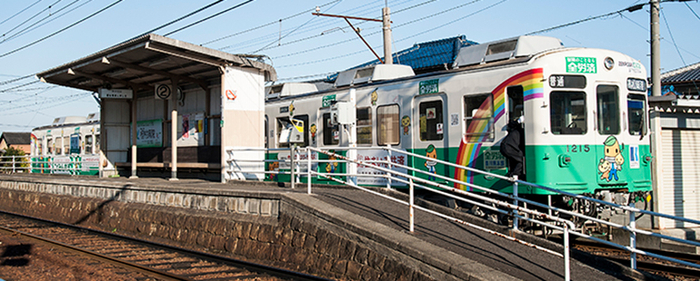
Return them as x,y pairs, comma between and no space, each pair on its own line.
158,261
656,266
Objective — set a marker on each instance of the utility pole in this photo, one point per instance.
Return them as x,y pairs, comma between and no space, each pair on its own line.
655,53
386,28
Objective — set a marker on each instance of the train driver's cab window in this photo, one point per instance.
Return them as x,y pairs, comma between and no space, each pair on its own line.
331,133
388,126
608,110
284,130
364,125
568,113
431,121
636,108
478,118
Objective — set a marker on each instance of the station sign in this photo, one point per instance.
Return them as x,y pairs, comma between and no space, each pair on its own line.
116,93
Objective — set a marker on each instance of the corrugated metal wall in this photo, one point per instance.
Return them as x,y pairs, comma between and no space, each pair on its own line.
681,168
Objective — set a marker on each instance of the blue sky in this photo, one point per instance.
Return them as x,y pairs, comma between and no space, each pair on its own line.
299,44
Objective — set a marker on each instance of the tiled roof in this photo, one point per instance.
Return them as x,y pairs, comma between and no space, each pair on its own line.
427,55
16,138
686,74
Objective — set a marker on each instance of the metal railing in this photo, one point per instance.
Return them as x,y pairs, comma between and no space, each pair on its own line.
517,207
46,164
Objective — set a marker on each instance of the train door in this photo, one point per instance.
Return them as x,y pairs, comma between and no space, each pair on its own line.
609,148
515,111
430,134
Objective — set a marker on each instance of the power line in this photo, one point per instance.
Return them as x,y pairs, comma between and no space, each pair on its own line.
265,25
208,18
370,34
16,14
691,9
15,79
16,87
403,39
30,18
664,39
179,19
676,45
63,29
19,33
628,9
56,17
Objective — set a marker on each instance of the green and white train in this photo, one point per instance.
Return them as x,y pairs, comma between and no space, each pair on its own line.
585,117
70,145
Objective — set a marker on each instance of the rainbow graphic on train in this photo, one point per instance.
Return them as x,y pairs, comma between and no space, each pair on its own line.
470,146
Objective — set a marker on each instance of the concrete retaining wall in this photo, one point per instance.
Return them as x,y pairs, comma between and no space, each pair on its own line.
268,229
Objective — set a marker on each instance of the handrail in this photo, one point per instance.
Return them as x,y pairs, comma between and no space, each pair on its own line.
514,209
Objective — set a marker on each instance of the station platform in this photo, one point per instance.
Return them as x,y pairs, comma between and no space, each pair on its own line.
458,250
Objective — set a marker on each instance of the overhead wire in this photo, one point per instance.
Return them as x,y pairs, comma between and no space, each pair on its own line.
30,18
668,27
15,79
630,9
19,33
691,9
208,18
265,25
61,30
402,39
22,11
373,33
178,19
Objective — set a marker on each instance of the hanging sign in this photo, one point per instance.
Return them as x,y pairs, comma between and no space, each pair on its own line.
116,93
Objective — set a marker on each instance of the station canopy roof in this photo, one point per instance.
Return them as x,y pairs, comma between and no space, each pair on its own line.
148,60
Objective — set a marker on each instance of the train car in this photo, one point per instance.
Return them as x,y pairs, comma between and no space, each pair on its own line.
583,113
70,145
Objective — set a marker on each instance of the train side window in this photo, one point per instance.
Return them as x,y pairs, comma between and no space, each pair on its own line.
49,146
568,113
88,144
635,110
608,110
364,125
478,118
331,134
430,113
388,126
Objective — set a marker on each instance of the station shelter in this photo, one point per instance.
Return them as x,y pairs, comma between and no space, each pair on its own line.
168,106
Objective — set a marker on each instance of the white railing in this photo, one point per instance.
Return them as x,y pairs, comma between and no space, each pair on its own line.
47,164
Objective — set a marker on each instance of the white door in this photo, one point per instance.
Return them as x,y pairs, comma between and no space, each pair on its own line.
680,194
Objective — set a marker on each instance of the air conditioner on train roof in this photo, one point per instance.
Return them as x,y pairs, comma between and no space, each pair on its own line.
373,73
289,89
505,49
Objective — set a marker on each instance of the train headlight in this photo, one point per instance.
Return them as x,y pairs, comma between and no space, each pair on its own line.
609,63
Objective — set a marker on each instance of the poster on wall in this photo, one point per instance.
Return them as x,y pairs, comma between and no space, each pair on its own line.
149,133
190,129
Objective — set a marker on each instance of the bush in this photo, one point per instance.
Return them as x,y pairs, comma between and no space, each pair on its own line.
20,162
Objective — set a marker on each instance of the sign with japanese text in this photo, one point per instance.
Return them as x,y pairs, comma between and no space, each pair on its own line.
581,65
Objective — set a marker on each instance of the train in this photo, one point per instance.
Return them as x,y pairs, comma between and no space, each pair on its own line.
583,110
70,145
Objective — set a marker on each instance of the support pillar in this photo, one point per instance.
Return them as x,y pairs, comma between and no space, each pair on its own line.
173,131
133,137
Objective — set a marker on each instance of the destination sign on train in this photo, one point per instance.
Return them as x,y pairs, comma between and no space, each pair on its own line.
567,81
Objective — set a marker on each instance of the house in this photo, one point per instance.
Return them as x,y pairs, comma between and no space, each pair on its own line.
17,140
675,117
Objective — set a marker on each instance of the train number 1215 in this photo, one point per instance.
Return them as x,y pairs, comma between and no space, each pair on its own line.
578,148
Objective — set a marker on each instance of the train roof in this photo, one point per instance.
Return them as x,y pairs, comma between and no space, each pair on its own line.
64,121
470,56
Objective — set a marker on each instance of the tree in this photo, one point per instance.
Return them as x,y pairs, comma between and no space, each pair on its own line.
20,159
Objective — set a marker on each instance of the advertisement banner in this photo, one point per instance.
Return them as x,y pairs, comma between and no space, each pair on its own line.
149,133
